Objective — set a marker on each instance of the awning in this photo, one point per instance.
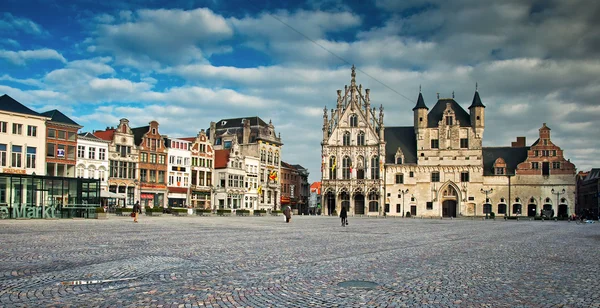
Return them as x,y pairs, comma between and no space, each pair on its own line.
110,194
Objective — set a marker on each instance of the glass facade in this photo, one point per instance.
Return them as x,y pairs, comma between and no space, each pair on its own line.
32,196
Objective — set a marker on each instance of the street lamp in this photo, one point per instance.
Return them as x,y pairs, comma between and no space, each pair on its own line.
486,192
400,191
558,193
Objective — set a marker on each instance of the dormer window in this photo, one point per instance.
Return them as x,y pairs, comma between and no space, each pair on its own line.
498,171
399,160
448,120
353,120
499,166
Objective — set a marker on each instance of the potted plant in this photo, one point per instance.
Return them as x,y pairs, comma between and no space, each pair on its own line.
179,212
154,211
224,212
203,212
123,211
242,212
407,215
262,213
100,213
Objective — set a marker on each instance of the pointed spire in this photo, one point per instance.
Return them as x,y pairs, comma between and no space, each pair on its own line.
476,101
420,102
353,75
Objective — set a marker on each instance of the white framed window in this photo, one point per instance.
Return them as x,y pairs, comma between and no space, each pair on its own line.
31,154
17,129
3,155
101,154
80,172
92,153
3,127
80,151
16,159
31,131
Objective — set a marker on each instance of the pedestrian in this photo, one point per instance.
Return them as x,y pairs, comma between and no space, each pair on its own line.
287,213
344,216
136,210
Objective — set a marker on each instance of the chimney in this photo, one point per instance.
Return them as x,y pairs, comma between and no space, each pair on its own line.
246,132
213,128
519,143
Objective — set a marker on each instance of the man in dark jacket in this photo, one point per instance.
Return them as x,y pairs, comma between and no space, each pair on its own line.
288,213
137,209
344,216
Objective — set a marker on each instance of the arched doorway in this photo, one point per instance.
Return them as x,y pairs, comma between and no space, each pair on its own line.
345,197
449,208
373,201
330,203
449,200
531,210
516,209
359,204
562,210
548,210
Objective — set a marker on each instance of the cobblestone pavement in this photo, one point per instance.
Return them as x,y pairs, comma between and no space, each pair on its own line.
264,262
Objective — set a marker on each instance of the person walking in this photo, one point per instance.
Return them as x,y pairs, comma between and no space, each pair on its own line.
344,216
288,214
136,211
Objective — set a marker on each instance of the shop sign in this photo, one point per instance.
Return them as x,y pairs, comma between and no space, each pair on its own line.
14,171
147,196
28,211
60,153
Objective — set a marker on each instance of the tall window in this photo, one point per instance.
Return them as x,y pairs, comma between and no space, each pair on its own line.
3,155
464,176
346,138
556,165
435,143
31,130
144,157
373,202
270,157
332,168
535,165
353,120
143,175
92,153
435,176
448,120
276,158
464,143
360,139
153,159
31,153
17,129
101,174
346,167
263,155
161,176
152,176
16,156
374,168
399,160
80,170
80,151
3,127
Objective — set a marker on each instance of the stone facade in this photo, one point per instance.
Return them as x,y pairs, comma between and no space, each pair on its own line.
202,170
438,167
92,158
179,172
152,165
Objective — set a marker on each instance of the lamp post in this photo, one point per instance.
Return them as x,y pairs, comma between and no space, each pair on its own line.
486,192
558,193
400,191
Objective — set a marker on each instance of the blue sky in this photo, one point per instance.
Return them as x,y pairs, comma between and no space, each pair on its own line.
186,63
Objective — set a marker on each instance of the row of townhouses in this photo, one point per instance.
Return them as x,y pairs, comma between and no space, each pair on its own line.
236,163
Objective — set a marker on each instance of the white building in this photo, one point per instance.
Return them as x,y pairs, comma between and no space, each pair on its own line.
229,176
22,138
92,158
202,170
179,171
252,166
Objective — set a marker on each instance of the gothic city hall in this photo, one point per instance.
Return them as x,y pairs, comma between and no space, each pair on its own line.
438,166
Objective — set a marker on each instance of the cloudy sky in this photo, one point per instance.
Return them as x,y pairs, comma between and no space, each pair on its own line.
185,63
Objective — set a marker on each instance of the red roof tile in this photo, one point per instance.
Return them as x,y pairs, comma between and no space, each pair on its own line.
221,159
105,135
191,139
316,187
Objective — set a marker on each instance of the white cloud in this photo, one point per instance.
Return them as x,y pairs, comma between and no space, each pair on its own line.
10,24
23,56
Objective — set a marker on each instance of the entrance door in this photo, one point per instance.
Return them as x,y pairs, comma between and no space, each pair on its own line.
545,168
330,203
531,210
562,210
449,208
413,210
359,204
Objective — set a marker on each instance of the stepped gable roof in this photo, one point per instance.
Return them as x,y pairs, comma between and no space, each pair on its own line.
437,113
9,104
511,155
59,117
88,135
476,101
221,159
138,133
404,138
237,122
105,134
420,103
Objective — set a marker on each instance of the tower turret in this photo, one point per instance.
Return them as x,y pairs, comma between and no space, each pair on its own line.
420,112
477,113
325,126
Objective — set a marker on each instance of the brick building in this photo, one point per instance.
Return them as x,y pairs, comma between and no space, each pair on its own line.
61,144
201,170
152,163
588,194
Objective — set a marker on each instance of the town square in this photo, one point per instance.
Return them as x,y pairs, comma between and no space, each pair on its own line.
311,262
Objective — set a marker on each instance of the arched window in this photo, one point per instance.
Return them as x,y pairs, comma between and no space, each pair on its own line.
276,158
373,202
332,168
346,140
547,199
360,139
360,165
501,208
263,156
375,168
353,120
270,157
399,160
91,172
346,167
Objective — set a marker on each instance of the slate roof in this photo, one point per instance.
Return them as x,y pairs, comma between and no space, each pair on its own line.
403,137
511,155
476,101
88,135
593,175
138,133
436,114
237,122
221,159
9,104
420,103
59,117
